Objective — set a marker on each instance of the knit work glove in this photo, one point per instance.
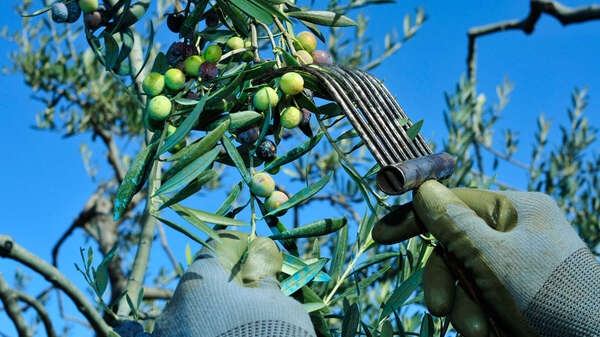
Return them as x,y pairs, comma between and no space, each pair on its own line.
233,292
534,275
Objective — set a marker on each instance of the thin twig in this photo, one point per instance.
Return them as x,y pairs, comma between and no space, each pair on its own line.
273,44
254,42
155,293
10,249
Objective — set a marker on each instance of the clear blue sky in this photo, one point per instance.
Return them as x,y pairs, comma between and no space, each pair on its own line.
45,183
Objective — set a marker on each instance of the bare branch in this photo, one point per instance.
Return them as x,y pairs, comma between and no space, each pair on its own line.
10,249
9,299
565,15
41,310
112,153
155,293
505,157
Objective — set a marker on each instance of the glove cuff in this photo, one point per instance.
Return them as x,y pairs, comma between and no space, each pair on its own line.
271,328
568,303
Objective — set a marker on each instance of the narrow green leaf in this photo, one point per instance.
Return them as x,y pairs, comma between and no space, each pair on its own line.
101,274
236,158
233,195
291,264
290,60
277,227
195,150
239,22
302,195
185,232
191,188
401,294
189,25
254,11
364,283
386,329
314,29
350,321
413,131
313,306
376,259
185,127
189,173
317,228
188,255
330,110
427,328
185,213
149,49
339,254
302,277
215,219
134,178
111,51
295,153
323,18
161,63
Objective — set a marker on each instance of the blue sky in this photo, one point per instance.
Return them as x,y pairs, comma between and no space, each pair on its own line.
45,182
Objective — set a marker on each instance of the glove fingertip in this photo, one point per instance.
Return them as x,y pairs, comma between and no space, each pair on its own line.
438,286
399,225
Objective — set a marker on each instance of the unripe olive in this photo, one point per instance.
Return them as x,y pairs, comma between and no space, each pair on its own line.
235,43
171,130
153,84
174,21
266,150
247,56
291,117
249,136
93,20
262,184
174,79
307,41
263,97
275,200
321,57
291,83
159,108
213,53
209,71
88,5
192,65
304,57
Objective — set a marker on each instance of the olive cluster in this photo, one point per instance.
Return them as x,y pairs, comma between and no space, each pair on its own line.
263,185
69,11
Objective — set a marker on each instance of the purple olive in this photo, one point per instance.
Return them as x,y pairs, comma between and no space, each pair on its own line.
174,21
267,150
249,136
209,71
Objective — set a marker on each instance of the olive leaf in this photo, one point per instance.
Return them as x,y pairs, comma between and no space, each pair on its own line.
189,173
317,228
302,195
291,284
323,18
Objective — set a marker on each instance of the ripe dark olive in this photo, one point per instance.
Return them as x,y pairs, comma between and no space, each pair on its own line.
267,150
212,18
305,123
209,71
60,13
249,136
178,52
74,11
93,20
174,21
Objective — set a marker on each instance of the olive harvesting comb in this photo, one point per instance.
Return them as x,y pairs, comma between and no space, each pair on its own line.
406,160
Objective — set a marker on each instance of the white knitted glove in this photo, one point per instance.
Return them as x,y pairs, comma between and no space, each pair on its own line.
533,273
222,296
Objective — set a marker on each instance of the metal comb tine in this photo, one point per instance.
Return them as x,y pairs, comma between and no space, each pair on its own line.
346,104
372,112
420,142
396,130
368,112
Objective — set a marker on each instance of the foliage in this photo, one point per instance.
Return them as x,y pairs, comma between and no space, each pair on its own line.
347,282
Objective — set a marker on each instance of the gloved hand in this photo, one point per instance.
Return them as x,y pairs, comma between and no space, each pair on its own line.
531,271
233,292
